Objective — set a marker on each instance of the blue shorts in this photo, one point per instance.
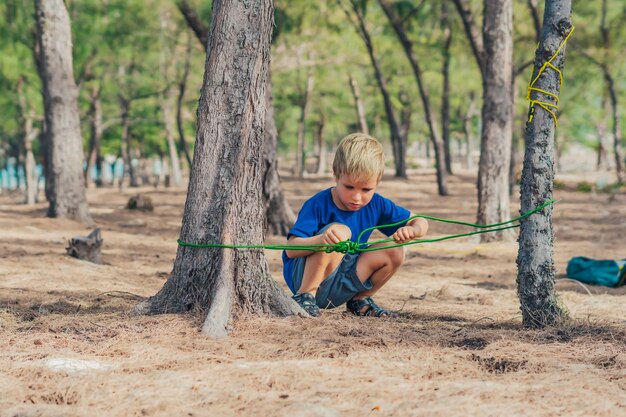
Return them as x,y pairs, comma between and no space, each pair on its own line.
340,286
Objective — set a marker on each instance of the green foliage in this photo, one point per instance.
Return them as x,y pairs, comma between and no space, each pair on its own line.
135,49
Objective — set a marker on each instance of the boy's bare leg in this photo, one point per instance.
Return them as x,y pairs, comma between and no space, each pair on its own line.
379,266
317,268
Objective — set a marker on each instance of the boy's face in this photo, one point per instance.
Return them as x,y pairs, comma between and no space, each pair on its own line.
352,195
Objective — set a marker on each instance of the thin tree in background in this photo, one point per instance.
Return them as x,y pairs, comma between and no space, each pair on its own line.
279,216
304,107
429,115
224,201
65,186
497,112
398,143
446,28
536,271
29,133
358,104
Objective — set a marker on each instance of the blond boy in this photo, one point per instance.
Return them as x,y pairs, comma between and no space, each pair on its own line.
328,280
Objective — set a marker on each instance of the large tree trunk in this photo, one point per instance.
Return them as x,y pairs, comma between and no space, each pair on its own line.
358,104
428,113
224,202
279,216
398,143
497,112
304,106
536,271
63,137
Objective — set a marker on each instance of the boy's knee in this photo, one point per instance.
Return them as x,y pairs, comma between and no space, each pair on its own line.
396,255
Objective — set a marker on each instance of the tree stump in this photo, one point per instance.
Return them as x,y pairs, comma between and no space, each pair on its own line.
87,247
140,202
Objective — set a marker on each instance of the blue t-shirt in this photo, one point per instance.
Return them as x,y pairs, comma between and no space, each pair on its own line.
320,211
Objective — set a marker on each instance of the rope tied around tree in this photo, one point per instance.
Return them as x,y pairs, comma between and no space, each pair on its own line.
348,246
549,107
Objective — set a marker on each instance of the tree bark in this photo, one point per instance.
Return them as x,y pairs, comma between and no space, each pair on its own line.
224,202
358,104
398,143
536,271
428,113
304,105
66,185
497,112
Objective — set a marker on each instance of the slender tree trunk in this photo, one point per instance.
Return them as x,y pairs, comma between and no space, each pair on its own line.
28,135
617,131
95,114
438,145
321,146
358,104
224,201
471,30
602,159
497,111
398,143
63,136
182,86
279,216
534,12
610,85
467,131
445,98
536,271
304,106
168,120
126,150
514,158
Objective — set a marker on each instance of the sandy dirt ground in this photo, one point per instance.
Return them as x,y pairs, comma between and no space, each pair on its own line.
70,347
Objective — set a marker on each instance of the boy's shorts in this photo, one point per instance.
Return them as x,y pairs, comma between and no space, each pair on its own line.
340,286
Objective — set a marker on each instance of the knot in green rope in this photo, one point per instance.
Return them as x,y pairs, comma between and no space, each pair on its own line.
346,246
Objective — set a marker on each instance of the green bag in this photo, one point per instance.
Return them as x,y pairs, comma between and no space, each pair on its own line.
609,273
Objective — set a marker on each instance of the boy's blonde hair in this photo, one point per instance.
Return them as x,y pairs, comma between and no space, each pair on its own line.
360,156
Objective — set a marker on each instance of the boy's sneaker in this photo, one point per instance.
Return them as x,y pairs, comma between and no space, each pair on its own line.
308,304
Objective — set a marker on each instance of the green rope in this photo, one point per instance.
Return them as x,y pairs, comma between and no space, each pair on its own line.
348,246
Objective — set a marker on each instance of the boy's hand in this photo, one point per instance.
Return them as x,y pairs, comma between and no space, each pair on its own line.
336,233
404,234
408,233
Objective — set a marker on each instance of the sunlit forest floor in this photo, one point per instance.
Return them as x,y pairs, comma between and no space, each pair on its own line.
69,347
